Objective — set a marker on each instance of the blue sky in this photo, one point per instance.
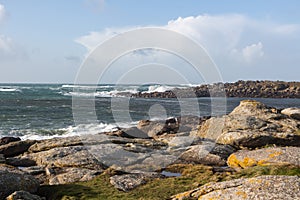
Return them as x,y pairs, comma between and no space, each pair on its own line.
46,41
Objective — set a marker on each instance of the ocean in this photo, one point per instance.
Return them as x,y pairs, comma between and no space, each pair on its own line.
40,111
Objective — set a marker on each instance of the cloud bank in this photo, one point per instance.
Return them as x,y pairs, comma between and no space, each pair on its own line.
234,41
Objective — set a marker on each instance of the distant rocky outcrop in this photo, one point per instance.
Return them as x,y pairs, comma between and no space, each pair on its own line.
250,89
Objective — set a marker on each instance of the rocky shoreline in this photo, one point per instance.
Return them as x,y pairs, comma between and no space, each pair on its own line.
249,89
211,156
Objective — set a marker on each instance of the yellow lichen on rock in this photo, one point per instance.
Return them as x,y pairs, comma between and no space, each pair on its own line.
234,162
241,194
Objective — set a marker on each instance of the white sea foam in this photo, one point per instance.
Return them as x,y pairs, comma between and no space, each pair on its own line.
80,130
159,88
80,86
113,93
4,89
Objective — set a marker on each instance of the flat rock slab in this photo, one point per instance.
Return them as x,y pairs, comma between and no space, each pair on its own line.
44,145
73,156
265,156
12,179
262,187
72,175
128,182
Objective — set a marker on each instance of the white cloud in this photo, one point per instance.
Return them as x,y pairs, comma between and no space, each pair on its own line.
93,39
253,52
234,41
2,13
6,44
9,50
214,32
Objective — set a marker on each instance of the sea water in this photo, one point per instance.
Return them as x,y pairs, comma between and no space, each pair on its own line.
37,111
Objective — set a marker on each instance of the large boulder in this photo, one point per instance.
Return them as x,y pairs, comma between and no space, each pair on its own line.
252,124
73,156
15,148
265,156
262,187
207,153
12,179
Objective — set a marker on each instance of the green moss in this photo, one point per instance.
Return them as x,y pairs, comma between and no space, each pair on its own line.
192,176
266,170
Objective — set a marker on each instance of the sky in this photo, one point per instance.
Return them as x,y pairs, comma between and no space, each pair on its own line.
47,41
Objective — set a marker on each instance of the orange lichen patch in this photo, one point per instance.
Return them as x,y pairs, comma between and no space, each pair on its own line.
275,154
246,162
254,181
241,194
263,162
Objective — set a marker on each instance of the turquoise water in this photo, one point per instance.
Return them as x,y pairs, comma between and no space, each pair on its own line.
45,110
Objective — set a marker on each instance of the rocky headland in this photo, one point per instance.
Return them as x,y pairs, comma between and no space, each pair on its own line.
251,153
250,89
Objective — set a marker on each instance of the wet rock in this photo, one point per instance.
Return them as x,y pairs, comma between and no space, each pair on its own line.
15,148
262,187
128,182
252,124
23,195
292,112
6,140
265,156
12,179
72,175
